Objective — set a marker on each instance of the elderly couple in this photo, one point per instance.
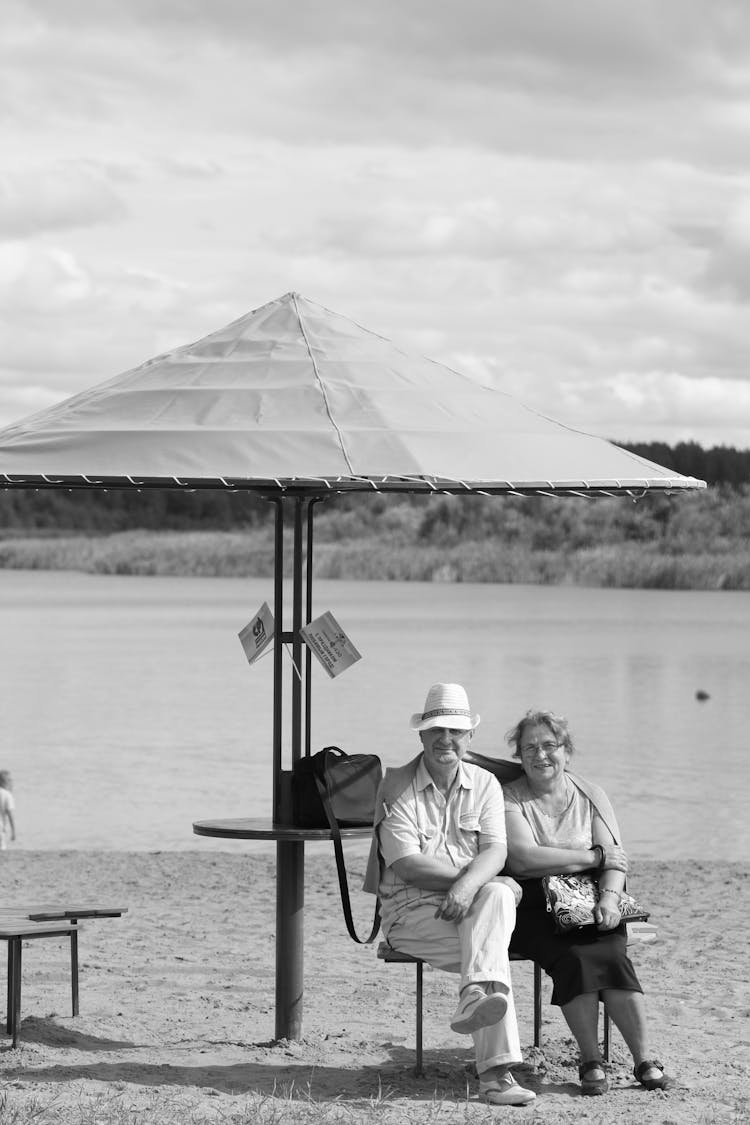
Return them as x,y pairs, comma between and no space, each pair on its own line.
445,831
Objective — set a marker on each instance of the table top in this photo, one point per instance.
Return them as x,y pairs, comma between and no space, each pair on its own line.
258,828
52,912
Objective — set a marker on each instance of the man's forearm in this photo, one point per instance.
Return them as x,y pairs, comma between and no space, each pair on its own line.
428,872
483,867
435,873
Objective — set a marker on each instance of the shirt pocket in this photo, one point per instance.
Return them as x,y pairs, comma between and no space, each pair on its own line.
468,830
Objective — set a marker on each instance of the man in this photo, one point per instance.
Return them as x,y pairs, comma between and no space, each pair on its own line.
440,843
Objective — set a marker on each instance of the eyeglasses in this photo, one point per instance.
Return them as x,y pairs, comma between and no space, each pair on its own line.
548,747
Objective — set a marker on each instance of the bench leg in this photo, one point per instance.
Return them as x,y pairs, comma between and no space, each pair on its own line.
15,1006
9,1002
537,1005
74,969
419,1069
607,1032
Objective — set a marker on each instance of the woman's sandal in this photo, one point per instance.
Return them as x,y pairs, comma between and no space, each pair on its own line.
592,1086
663,1082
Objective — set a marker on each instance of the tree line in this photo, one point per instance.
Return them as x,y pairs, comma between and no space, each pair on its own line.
719,465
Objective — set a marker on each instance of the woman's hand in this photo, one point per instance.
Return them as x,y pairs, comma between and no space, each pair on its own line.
607,911
613,858
510,882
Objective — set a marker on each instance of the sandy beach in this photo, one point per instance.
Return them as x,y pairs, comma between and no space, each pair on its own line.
177,1004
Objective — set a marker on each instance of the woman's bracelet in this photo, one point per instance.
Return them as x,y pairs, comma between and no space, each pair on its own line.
610,891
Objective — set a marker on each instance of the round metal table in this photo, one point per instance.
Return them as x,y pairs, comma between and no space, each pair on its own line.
290,902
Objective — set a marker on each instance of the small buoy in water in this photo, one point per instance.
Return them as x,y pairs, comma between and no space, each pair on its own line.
702,695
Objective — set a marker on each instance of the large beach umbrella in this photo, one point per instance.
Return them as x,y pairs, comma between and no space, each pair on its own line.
298,403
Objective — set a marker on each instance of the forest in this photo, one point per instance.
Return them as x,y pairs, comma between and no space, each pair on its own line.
696,540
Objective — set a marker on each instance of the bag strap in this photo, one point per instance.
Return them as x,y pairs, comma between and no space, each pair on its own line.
341,869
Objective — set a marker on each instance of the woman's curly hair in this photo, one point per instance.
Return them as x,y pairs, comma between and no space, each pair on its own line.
557,724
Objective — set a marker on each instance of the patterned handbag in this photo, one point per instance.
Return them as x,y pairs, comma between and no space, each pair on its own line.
571,900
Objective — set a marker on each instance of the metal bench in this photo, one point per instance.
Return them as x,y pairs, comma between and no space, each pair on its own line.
24,923
393,956
637,933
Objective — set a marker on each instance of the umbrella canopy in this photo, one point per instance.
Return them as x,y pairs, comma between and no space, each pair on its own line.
293,396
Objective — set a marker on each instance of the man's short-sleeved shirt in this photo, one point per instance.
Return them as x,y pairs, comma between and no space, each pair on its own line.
421,822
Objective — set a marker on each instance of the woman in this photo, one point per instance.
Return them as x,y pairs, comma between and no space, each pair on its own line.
559,824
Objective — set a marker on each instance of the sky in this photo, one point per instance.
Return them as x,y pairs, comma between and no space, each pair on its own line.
550,195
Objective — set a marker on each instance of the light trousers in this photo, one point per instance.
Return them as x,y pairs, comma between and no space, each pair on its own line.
477,949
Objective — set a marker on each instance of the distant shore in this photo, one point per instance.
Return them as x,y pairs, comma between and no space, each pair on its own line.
176,1019
250,554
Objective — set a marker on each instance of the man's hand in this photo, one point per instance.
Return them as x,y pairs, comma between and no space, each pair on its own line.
455,903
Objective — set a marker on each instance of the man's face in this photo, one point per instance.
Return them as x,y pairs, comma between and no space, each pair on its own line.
444,747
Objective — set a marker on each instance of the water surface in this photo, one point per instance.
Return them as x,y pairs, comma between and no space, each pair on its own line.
129,710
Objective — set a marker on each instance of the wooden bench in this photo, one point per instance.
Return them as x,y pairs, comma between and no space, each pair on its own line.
15,931
637,933
24,923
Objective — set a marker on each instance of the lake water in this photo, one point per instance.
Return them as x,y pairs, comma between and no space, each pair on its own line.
129,710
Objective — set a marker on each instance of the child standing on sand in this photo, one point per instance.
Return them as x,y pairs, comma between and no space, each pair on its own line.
7,809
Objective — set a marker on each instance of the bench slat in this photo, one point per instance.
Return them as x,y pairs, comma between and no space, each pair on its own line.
24,928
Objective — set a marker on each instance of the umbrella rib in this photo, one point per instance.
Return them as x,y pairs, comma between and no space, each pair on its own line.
323,389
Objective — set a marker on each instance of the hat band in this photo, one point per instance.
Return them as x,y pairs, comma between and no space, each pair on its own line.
446,711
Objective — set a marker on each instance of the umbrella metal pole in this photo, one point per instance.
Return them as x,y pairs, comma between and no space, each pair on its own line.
308,619
290,938
278,653
296,626
290,855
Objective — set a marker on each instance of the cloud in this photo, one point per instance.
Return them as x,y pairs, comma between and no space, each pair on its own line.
582,37
631,404
415,74
727,267
64,326
39,279
191,166
483,227
551,195
55,197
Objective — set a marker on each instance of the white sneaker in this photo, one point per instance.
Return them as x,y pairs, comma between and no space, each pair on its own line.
505,1091
478,1008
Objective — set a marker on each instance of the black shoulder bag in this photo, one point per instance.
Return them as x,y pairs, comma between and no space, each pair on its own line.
335,790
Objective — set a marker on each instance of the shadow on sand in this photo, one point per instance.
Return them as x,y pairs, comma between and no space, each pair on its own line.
448,1074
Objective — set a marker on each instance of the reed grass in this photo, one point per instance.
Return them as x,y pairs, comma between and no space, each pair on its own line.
250,554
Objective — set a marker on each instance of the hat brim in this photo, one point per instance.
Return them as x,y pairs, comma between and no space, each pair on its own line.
452,722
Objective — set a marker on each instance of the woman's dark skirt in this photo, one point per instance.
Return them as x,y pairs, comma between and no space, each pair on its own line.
586,960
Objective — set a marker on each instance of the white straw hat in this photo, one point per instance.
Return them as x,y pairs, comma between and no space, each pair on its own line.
447,705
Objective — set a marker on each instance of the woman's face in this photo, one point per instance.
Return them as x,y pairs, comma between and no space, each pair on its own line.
543,758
